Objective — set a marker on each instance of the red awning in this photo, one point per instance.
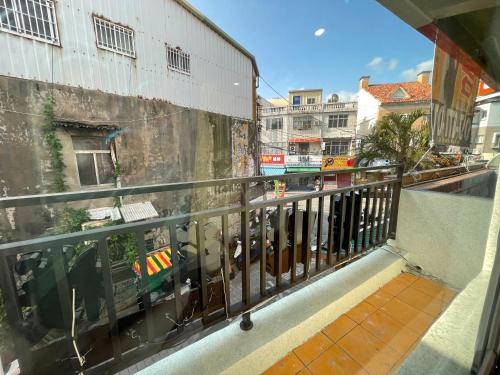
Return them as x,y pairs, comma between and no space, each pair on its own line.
304,140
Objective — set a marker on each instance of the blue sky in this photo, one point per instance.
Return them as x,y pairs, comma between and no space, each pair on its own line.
361,38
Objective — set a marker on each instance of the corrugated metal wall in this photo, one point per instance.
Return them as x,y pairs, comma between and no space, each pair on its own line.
215,64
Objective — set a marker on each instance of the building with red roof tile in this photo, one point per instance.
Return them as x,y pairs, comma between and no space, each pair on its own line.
377,100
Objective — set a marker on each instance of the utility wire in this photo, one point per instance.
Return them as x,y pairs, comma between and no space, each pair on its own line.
317,119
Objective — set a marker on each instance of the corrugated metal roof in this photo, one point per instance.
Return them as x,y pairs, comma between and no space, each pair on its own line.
102,213
138,211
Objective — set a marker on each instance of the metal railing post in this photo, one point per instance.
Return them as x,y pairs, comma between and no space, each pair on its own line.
395,202
246,324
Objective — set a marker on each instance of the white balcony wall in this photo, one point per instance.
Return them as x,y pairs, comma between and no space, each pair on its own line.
216,65
445,234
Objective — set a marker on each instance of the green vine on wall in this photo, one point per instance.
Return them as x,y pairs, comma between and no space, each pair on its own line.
118,172
54,146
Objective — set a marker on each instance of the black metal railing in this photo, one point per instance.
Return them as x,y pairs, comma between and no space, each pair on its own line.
53,286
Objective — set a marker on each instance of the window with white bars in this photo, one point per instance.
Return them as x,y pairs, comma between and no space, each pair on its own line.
337,121
35,19
178,60
113,37
336,146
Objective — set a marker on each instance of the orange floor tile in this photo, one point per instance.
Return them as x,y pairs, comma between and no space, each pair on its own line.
376,335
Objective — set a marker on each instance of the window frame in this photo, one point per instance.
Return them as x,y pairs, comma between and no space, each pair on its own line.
115,30
311,100
181,56
270,123
342,145
337,118
495,140
20,22
302,127
94,158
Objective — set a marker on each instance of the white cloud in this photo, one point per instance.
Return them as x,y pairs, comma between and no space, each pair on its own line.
392,64
375,63
411,74
379,64
347,96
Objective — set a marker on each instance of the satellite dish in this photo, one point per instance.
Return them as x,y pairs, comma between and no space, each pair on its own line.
333,98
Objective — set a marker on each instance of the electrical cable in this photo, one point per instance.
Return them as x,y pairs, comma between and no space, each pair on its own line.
413,268
317,119
81,359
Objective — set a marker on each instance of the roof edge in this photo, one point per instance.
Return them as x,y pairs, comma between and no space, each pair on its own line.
195,12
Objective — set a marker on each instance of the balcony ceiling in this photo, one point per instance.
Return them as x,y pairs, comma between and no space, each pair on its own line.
474,26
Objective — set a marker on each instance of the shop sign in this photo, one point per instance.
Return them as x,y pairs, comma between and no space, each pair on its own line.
272,159
331,163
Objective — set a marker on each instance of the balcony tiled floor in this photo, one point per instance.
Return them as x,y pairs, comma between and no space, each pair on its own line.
375,336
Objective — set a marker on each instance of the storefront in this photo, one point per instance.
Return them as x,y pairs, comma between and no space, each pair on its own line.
332,163
302,164
272,164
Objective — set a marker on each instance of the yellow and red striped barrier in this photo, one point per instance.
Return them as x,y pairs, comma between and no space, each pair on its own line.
156,261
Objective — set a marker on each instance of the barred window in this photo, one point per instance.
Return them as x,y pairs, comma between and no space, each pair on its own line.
113,37
274,123
304,122
178,60
336,146
34,19
337,121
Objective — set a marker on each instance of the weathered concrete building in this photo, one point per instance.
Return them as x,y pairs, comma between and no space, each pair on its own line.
143,92
304,125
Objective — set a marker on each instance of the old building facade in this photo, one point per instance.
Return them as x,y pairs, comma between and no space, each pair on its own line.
142,93
305,125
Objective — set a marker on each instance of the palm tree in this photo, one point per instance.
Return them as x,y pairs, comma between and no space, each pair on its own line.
397,138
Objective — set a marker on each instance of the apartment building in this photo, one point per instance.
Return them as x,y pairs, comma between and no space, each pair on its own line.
485,135
153,87
377,100
305,124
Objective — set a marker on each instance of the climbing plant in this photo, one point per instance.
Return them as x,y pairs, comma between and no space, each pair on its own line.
118,171
70,219
54,146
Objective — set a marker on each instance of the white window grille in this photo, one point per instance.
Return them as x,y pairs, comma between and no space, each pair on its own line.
336,146
113,37
35,19
178,60
304,122
337,121
274,123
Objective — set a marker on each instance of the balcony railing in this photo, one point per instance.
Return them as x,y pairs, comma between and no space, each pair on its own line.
53,287
309,108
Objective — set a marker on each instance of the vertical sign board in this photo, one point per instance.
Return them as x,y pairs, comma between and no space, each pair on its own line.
454,88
